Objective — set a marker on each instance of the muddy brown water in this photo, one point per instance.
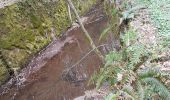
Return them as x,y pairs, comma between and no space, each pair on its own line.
45,78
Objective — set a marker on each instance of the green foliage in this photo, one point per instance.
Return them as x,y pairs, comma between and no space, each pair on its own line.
135,52
26,26
3,72
129,37
111,96
153,72
129,12
140,90
104,33
129,90
108,73
113,56
159,12
158,87
122,71
165,42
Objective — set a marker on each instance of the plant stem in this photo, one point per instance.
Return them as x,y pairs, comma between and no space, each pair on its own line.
69,12
84,30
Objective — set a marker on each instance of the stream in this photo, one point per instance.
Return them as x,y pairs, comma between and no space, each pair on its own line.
46,76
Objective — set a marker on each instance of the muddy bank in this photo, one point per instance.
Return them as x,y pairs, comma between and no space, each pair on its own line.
44,77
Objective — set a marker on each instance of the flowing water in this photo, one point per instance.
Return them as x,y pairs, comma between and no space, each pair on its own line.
46,77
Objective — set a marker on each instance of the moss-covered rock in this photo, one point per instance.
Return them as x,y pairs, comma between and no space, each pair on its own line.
15,57
26,27
3,72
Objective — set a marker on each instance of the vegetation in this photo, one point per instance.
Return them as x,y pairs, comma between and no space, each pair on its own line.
131,72
126,77
132,69
26,27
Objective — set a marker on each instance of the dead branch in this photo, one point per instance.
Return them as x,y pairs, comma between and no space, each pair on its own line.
65,72
69,13
84,30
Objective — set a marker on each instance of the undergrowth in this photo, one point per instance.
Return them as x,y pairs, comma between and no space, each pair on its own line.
130,72
159,13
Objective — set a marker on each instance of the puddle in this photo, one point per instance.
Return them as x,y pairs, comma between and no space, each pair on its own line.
44,78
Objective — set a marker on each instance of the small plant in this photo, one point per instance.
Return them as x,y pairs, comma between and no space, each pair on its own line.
125,75
119,18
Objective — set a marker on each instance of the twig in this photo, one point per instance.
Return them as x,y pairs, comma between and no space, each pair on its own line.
84,30
78,62
69,13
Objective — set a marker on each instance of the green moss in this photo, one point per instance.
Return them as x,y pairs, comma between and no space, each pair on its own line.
83,5
61,17
15,57
3,72
25,27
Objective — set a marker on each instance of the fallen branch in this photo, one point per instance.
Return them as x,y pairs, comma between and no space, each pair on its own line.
78,62
84,30
69,13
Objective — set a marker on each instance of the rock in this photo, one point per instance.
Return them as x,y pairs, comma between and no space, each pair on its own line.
91,95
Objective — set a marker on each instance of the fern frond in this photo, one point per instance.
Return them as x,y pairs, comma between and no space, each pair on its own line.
152,72
127,95
93,78
111,96
129,37
136,52
105,32
165,40
101,78
149,72
129,13
129,90
113,56
140,89
158,87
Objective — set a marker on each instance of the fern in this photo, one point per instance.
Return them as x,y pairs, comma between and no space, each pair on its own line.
129,90
129,13
127,95
129,37
158,87
165,41
136,52
113,56
111,96
140,92
101,77
126,63
105,32
153,72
